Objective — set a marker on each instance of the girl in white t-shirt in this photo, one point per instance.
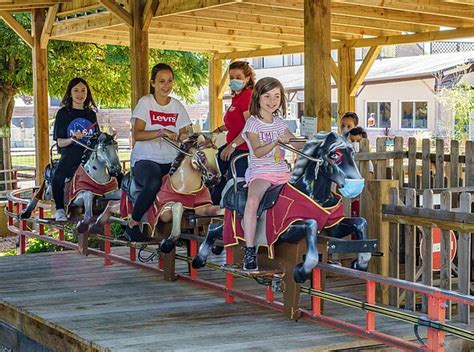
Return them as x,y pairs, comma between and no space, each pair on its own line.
262,132
156,115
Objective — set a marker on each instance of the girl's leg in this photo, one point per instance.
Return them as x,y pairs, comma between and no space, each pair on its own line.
148,174
257,189
67,165
216,193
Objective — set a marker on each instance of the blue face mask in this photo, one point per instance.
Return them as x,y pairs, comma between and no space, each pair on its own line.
236,85
352,187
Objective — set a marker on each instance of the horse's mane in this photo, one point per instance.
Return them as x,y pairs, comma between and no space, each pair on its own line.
311,148
185,145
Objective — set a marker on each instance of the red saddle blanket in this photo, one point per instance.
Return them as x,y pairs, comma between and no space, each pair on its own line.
166,195
292,205
81,181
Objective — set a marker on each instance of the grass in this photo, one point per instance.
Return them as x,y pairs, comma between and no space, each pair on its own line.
29,160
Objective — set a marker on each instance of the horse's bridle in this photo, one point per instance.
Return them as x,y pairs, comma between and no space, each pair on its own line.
199,156
94,150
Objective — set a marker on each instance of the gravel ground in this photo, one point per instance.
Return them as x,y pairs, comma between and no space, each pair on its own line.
5,349
6,244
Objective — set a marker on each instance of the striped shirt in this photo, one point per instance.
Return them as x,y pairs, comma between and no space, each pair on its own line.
272,162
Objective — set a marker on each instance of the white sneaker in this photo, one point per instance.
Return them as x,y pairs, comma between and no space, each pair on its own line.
60,215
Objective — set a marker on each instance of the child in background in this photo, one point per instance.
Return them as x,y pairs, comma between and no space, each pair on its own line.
262,132
354,134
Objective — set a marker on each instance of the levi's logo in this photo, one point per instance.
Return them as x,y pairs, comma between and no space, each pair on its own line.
163,118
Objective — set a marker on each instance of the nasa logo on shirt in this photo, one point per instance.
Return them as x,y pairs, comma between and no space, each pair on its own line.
162,118
83,125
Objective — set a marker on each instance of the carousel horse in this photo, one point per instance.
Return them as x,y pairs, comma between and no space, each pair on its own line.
301,208
95,177
185,187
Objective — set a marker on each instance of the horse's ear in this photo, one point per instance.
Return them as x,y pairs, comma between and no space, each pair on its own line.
201,139
330,138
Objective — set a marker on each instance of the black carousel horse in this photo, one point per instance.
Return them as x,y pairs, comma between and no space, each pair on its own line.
326,159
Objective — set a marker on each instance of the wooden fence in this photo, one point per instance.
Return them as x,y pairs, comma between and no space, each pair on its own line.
414,226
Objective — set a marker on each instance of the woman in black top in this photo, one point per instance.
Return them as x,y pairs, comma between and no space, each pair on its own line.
75,120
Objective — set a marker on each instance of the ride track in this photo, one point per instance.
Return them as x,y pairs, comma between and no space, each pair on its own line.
435,320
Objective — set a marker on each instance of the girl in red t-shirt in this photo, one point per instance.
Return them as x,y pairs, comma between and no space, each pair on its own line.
242,81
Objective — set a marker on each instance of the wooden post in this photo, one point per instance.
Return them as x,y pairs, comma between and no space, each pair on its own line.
446,267
427,251
464,261
375,194
215,103
410,252
40,93
317,68
138,53
346,101
394,268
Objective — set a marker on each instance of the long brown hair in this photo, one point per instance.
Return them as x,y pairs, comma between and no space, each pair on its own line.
89,103
157,68
247,70
263,86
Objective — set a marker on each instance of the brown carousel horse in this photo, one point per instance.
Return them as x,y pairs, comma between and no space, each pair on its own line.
94,178
184,188
302,208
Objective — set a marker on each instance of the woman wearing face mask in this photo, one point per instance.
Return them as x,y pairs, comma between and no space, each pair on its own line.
242,81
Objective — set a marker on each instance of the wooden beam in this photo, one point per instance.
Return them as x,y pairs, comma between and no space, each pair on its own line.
423,7
17,28
224,83
399,15
48,26
412,38
364,69
261,52
334,71
215,103
256,13
40,93
317,68
81,25
118,11
346,64
174,7
139,53
148,13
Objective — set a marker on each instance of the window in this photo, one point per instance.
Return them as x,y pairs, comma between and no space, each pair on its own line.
414,114
378,114
257,62
273,61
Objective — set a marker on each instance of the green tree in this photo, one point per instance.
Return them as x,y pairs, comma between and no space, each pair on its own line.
460,100
105,67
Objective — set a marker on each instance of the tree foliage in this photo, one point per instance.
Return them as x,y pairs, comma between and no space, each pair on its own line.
105,67
460,100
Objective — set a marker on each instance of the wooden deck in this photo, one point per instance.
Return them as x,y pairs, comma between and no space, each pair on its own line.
76,303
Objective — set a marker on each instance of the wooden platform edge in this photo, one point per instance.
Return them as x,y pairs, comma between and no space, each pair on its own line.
45,333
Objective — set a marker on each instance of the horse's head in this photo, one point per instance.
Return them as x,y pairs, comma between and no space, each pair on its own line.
336,164
203,154
106,149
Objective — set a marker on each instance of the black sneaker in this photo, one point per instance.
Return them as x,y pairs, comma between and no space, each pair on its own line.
250,258
133,234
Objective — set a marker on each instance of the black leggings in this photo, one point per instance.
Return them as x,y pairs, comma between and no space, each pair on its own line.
147,174
67,166
224,166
